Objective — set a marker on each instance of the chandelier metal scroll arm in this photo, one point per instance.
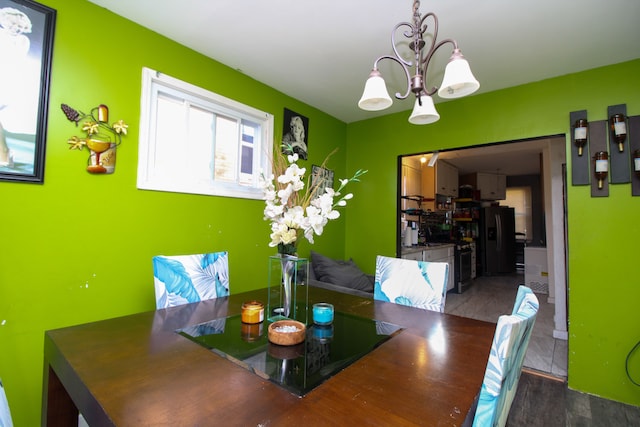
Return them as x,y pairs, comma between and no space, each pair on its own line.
425,62
421,28
410,34
404,68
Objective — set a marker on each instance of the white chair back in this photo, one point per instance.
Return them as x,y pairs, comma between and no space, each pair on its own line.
5,413
183,279
418,284
508,349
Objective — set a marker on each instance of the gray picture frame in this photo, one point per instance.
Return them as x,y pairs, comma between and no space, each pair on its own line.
321,178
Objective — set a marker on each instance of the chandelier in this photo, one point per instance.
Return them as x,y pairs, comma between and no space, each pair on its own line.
458,80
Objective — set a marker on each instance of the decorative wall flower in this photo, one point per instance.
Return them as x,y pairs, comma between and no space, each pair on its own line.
96,127
293,207
101,138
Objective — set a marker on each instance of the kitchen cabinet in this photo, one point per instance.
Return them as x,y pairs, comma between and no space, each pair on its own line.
446,179
428,181
439,180
492,186
444,252
413,254
411,184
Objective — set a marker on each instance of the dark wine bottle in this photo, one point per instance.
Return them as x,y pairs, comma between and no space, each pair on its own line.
619,128
601,167
580,134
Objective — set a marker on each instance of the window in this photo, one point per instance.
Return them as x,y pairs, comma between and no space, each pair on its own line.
195,141
519,198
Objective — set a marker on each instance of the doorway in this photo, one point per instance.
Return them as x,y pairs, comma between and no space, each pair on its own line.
543,156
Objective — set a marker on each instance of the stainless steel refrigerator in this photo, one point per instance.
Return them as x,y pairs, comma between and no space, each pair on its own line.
497,240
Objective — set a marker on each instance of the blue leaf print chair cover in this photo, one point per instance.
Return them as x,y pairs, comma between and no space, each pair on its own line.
418,284
508,349
184,279
5,413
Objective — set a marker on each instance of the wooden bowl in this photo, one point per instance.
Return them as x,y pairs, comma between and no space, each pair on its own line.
288,352
277,334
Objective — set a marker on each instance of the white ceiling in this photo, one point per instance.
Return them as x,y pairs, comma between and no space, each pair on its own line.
321,53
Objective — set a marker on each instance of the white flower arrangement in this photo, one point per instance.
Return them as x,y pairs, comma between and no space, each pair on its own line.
294,212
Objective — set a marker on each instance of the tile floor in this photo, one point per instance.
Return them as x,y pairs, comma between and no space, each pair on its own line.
492,296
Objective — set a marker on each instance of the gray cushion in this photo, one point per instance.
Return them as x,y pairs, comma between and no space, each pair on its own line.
341,289
338,272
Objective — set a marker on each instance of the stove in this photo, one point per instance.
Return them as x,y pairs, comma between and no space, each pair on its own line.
462,266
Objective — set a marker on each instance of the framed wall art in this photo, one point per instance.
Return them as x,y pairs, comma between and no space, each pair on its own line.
295,134
26,44
321,178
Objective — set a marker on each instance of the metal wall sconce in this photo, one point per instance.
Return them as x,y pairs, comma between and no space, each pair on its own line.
636,162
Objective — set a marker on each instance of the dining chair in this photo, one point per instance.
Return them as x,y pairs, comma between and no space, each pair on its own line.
5,413
418,284
183,279
508,349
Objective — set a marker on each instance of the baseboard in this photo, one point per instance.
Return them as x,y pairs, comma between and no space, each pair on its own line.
544,375
561,335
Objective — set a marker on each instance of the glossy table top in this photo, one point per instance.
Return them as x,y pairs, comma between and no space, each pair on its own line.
136,370
326,350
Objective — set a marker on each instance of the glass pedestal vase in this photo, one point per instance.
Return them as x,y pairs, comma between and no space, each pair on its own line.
288,291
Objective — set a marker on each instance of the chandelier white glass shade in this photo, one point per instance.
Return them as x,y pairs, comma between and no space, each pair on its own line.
458,79
375,96
424,111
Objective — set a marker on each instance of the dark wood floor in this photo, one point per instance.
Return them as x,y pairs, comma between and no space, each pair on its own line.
547,402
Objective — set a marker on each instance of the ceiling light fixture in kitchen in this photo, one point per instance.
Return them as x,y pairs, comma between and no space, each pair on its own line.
433,159
458,80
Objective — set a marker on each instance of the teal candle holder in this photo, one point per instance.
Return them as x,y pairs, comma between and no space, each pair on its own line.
322,313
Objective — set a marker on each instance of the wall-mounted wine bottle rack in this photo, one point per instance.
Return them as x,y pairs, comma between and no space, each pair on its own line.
602,138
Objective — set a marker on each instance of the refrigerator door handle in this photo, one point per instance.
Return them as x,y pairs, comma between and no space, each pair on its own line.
499,233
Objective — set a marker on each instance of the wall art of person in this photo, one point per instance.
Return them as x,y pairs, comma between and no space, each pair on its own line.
294,140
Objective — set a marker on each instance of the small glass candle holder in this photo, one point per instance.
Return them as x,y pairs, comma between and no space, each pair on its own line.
322,313
252,312
323,333
251,332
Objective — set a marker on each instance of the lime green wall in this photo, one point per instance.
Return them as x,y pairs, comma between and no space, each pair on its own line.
604,289
78,248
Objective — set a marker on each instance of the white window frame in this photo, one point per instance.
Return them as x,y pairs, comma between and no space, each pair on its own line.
180,180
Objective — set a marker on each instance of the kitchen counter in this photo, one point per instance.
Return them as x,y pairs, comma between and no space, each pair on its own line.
428,246
433,252
414,249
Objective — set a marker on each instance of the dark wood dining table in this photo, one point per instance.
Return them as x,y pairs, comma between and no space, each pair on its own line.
137,371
